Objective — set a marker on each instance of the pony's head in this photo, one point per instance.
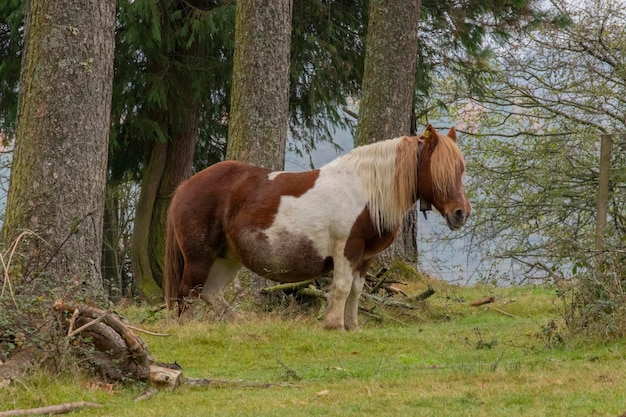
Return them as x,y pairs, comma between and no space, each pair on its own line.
441,168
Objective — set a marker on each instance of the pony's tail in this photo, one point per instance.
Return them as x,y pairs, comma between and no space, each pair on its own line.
173,265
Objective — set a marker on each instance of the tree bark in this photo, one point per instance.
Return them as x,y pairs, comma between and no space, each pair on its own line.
140,258
259,114
177,169
170,163
388,88
59,168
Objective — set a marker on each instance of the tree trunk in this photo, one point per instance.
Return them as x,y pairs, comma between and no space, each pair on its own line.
170,163
259,113
177,169
59,168
259,109
388,87
140,258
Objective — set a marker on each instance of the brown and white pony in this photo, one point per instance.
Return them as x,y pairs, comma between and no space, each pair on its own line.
289,227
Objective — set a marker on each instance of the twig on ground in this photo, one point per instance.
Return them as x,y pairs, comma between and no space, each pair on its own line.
506,313
140,330
147,394
230,383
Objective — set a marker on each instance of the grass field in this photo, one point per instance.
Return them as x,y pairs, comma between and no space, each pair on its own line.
509,358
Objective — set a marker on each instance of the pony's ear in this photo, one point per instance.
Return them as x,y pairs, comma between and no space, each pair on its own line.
452,133
430,134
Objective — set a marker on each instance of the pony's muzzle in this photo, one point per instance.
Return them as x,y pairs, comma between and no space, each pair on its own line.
457,218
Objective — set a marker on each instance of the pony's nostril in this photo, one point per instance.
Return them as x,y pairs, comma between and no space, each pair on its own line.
459,214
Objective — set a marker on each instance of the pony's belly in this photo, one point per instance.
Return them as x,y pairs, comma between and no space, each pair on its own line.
288,258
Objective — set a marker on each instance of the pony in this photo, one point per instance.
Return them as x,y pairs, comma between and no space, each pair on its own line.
294,226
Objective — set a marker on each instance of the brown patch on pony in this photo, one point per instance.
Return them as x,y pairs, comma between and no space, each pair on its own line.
298,260
198,216
259,208
365,242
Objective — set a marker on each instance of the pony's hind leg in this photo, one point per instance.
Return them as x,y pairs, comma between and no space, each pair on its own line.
195,273
222,273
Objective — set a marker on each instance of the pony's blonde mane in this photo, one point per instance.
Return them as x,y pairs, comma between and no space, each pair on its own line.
389,174
445,162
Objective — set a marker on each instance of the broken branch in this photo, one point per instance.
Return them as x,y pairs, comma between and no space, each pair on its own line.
485,300
52,409
425,294
228,383
289,286
388,302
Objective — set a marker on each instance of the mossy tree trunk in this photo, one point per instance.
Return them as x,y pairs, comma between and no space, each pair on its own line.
168,164
386,103
259,113
57,187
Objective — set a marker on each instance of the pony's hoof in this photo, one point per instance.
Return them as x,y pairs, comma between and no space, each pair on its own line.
333,325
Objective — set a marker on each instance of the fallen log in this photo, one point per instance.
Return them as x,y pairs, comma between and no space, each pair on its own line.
51,409
379,275
312,292
479,302
165,378
425,294
388,302
292,286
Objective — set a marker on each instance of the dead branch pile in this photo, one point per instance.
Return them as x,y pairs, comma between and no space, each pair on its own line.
103,342
380,291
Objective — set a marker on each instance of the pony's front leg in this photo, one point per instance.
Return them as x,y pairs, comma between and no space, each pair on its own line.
339,292
351,312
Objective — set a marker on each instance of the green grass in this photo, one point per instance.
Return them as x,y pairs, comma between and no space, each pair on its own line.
452,360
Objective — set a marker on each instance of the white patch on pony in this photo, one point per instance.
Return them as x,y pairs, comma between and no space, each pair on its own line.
272,175
375,166
324,214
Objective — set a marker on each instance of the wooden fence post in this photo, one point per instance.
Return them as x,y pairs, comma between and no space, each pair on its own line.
603,190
